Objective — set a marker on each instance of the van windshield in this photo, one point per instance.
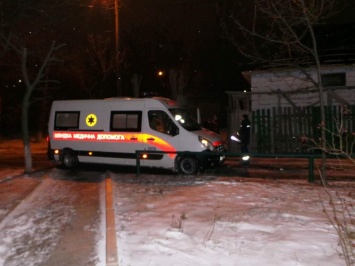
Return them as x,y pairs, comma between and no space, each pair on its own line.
185,119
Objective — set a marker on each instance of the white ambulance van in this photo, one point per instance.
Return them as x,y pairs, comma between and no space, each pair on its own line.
110,131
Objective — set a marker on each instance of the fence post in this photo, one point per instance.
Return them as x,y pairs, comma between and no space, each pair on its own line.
138,163
311,169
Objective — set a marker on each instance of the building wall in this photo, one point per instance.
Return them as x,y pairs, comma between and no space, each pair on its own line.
284,88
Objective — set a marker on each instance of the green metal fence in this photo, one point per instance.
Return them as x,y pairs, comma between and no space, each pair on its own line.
280,130
310,157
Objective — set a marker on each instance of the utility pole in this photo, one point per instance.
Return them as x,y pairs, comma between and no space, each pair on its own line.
117,50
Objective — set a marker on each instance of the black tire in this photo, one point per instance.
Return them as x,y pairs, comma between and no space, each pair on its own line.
69,159
188,165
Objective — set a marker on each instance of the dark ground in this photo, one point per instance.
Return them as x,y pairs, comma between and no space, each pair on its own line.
11,159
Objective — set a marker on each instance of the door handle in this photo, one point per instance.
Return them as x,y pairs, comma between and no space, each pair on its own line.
150,138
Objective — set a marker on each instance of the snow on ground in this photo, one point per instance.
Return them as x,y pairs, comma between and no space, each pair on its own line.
30,233
60,222
181,220
226,221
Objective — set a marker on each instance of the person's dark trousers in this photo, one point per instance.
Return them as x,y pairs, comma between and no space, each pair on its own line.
244,148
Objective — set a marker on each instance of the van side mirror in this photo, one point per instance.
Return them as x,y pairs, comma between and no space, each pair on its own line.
174,131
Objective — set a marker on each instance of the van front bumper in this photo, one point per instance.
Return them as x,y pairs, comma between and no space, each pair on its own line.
210,159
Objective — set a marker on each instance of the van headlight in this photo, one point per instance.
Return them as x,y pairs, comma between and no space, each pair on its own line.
206,143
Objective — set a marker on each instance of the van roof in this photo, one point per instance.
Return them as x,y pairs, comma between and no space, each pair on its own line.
166,101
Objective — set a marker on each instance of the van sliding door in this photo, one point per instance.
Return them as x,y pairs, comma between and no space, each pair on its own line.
125,131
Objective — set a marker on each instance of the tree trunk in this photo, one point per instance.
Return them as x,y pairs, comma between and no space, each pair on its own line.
136,83
25,133
321,103
1,126
173,82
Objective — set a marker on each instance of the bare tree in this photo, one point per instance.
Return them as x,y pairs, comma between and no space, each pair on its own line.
158,37
32,82
94,67
281,35
31,85
23,50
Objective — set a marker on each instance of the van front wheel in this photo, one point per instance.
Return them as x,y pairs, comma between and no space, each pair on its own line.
188,166
69,159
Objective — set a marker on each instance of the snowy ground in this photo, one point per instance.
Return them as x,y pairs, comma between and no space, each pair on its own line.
182,220
227,221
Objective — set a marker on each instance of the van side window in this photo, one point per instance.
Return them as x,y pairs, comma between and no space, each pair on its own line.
128,121
161,122
66,120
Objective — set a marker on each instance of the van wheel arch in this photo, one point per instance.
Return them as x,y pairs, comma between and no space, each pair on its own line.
187,165
69,159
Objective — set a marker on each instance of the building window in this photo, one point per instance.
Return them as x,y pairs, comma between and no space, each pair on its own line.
336,79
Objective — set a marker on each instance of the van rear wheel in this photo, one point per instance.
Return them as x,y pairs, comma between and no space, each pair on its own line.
188,165
69,159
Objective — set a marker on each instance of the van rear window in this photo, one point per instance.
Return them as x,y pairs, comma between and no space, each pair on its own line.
128,121
66,120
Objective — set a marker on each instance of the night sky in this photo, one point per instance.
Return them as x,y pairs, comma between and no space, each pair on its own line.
187,28
154,35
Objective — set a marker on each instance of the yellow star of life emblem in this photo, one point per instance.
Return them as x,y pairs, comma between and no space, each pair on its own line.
91,120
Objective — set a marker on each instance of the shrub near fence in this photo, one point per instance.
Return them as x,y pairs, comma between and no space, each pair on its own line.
281,129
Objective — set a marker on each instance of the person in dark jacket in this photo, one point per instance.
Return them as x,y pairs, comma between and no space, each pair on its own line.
244,134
